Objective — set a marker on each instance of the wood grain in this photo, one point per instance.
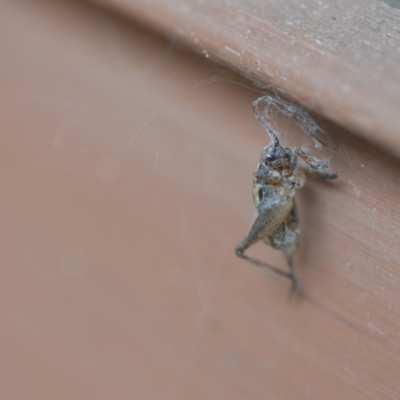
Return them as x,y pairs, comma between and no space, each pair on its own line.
339,58
126,174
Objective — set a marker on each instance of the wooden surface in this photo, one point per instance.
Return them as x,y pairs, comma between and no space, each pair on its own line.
340,58
126,174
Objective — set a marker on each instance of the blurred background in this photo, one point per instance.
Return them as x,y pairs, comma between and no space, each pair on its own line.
126,181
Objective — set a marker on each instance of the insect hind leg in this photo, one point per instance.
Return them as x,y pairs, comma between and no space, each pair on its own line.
240,252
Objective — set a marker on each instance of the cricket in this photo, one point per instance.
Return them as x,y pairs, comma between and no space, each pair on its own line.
275,181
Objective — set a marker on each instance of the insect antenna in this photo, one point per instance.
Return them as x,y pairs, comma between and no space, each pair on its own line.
264,123
299,116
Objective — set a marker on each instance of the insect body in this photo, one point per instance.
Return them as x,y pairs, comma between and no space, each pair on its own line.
275,181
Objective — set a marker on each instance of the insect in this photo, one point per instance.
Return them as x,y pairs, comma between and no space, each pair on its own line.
275,181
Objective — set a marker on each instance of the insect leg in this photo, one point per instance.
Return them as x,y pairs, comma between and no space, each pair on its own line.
313,162
318,167
318,174
294,279
267,221
286,238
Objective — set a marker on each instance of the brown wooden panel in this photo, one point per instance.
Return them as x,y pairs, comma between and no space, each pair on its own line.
340,58
126,178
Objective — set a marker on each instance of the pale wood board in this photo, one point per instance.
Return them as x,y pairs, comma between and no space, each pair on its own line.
340,58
